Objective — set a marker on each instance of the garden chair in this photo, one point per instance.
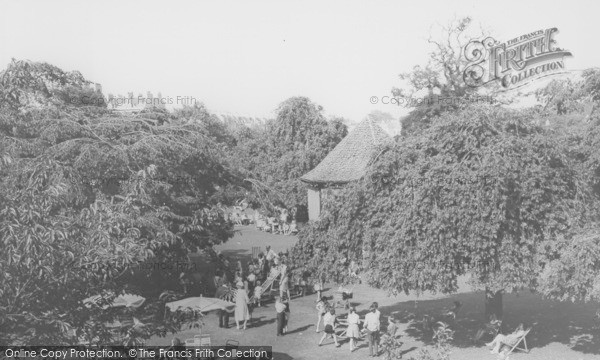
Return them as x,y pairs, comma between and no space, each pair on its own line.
232,344
204,339
507,349
192,343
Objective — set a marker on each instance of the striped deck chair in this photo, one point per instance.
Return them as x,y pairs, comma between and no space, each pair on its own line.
509,348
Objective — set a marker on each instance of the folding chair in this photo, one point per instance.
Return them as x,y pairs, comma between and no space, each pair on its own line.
205,340
231,345
192,343
515,346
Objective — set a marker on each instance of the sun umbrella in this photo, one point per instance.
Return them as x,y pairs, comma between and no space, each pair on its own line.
125,300
202,304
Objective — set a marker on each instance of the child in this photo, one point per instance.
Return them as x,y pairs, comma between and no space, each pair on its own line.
330,322
318,287
257,293
353,333
280,311
287,315
321,310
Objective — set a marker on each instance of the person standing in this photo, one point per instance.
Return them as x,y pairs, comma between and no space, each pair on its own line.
242,313
319,287
330,321
221,293
372,326
262,267
376,306
353,333
257,293
271,255
284,285
321,311
280,311
287,314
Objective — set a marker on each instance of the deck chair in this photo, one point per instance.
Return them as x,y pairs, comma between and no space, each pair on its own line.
205,340
511,347
232,344
192,343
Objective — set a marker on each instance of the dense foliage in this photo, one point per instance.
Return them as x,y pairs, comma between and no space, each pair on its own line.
483,192
272,159
86,196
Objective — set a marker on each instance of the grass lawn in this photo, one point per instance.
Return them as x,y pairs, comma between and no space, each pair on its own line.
560,330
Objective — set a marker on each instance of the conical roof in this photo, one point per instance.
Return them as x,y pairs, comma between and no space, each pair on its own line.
349,159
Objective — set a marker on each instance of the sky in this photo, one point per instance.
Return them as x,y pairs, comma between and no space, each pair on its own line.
246,57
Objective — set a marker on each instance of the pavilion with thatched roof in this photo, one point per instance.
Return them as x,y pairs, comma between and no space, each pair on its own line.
347,162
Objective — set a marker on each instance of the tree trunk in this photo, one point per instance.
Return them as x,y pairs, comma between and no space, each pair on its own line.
493,304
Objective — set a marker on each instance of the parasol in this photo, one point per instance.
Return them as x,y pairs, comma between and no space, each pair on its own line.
202,304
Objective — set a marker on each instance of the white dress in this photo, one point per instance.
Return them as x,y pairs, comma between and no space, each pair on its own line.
353,320
242,312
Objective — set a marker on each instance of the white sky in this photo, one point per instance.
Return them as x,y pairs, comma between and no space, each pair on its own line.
245,57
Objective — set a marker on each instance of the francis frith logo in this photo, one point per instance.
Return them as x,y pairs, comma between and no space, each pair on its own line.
516,62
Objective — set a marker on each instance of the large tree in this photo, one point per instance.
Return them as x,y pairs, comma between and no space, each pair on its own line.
439,86
86,196
477,193
274,157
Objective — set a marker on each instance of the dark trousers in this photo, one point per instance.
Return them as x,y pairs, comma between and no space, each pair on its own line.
223,319
373,337
280,323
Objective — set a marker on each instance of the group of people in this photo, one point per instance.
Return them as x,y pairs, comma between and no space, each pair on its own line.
282,222
249,287
371,325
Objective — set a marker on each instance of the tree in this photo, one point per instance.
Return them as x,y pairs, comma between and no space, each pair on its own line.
476,193
438,86
85,197
274,158
572,271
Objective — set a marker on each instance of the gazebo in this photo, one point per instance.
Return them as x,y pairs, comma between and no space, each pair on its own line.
347,162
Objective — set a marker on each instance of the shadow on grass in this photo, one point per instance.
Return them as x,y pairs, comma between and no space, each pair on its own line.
258,322
300,329
571,324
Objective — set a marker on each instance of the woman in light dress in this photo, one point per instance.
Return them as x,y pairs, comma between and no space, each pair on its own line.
242,313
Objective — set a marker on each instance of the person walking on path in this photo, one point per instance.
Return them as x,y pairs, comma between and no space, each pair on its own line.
353,333
280,311
372,326
330,321
242,313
